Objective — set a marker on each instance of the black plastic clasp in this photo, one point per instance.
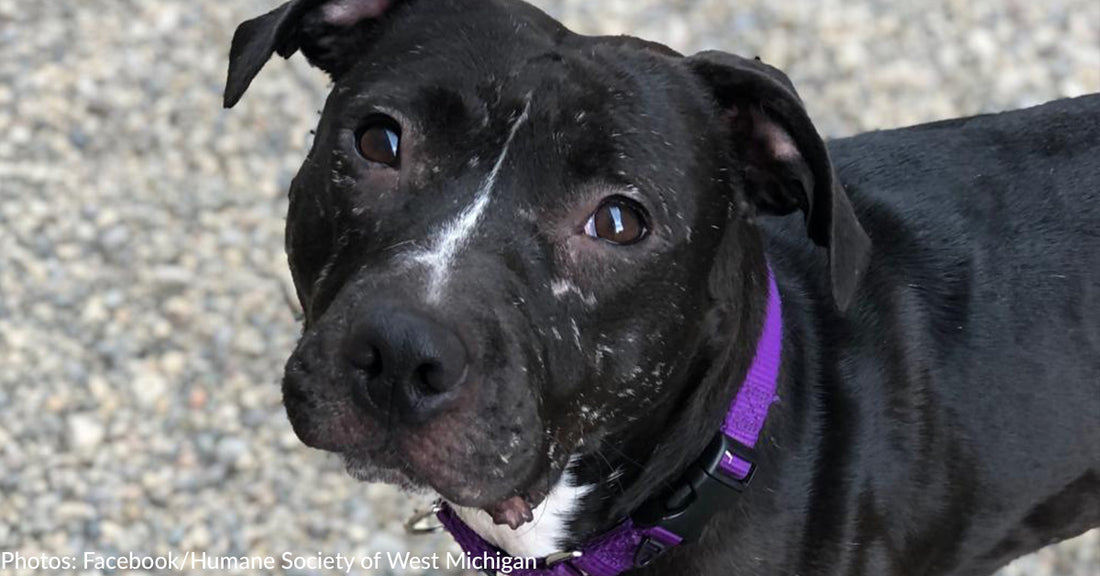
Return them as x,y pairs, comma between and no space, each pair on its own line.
700,493
649,550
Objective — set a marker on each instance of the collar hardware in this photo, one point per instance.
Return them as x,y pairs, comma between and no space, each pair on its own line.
557,558
648,551
702,491
417,524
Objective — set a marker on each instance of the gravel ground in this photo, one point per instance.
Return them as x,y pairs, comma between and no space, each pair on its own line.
144,316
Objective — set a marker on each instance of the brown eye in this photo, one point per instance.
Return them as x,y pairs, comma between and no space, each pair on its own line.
618,221
380,141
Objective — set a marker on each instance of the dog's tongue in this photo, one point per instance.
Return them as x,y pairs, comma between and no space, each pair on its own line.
514,512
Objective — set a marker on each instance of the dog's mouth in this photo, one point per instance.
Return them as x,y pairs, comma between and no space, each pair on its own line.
367,470
513,511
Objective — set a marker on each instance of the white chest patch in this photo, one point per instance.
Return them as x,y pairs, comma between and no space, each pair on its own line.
440,257
540,537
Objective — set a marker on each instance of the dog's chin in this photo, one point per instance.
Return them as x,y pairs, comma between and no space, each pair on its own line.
513,510
367,471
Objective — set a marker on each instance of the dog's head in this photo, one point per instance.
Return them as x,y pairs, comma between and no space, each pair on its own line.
512,242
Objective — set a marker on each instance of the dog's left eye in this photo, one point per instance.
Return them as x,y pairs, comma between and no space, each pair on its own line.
617,221
380,141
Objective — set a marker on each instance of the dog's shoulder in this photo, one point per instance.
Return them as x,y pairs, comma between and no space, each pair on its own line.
1053,146
1069,126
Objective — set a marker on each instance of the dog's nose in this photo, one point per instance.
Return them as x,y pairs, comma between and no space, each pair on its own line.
413,364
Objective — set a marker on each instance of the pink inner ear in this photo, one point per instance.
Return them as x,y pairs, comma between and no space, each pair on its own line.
777,142
351,12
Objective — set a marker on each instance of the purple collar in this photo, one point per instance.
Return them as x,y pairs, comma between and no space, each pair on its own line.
719,475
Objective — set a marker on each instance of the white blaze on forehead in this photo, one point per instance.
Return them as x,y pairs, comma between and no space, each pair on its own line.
542,536
440,257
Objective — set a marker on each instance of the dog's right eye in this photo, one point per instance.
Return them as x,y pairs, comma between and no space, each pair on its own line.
618,221
380,141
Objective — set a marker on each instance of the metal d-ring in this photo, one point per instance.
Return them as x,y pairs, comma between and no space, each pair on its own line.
416,526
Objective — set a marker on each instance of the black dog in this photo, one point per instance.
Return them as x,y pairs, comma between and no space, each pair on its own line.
534,268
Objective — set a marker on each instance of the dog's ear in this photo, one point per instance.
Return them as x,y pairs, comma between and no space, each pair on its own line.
326,31
785,163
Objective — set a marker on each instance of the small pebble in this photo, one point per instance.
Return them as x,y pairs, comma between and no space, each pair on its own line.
86,431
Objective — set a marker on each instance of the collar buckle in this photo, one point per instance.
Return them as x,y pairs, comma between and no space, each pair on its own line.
708,486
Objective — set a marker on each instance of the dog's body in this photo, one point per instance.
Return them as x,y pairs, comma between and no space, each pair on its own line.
950,421
469,331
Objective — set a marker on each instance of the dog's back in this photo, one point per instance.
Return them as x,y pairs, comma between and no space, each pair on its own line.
987,258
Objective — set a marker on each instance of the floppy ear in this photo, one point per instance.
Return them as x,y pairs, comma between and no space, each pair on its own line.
784,161
324,30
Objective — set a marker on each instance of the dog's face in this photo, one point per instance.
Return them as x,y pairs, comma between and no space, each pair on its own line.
511,242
